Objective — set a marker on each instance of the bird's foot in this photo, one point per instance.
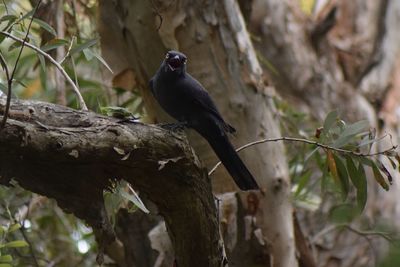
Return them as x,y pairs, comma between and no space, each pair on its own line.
174,127
131,119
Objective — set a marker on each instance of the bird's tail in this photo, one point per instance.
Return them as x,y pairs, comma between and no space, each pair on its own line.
234,165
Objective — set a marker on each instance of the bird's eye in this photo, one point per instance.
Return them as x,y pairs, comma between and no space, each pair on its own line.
167,56
184,60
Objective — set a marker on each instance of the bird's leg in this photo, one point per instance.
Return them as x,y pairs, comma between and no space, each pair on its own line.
177,126
131,119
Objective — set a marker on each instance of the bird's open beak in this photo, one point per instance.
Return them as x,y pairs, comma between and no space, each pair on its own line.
174,63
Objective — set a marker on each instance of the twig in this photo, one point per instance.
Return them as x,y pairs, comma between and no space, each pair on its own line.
22,230
68,51
352,229
369,233
5,6
53,61
301,140
11,77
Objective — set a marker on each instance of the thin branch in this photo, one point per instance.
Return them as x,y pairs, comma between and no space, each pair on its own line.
53,61
68,51
11,77
30,245
352,229
301,140
5,6
369,233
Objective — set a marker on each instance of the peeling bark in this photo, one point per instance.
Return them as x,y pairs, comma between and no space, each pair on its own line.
349,68
221,56
300,72
71,156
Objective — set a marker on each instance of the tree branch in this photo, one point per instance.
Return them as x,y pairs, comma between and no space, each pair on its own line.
306,141
70,155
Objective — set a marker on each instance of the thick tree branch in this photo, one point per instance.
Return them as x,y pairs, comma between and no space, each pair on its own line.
70,155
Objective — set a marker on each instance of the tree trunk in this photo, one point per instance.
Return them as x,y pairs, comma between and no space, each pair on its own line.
220,54
341,57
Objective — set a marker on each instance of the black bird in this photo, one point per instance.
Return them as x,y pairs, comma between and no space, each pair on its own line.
185,99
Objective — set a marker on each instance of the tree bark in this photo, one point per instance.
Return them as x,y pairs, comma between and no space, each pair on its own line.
348,66
71,156
220,54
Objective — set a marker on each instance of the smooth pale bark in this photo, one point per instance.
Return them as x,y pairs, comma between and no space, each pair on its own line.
349,68
302,72
221,55
71,156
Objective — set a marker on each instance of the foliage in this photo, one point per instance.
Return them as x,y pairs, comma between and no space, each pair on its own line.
57,238
334,170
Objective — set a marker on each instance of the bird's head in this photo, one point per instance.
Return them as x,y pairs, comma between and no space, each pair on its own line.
175,62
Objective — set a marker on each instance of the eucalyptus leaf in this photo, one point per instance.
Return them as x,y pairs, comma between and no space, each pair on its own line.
359,180
79,48
44,25
16,244
379,177
14,227
302,182
330,119
54,43
349,132
343,176
134,198
6,258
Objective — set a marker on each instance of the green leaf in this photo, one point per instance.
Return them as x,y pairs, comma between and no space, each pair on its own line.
359,180
5,265
16,244
14,227
83,46
379,177
303,181
13,46
116,112
102,61
6,258
11,19
134,198
343,213
29,14
42,62
330,119
54,43
88,54
349,132
343,176
8,17
45,26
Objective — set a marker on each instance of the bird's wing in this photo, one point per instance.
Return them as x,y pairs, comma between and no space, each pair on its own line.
151,85
198,96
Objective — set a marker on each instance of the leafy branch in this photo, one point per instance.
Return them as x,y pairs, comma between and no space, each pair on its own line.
55,63
10,78
306,141
343,161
